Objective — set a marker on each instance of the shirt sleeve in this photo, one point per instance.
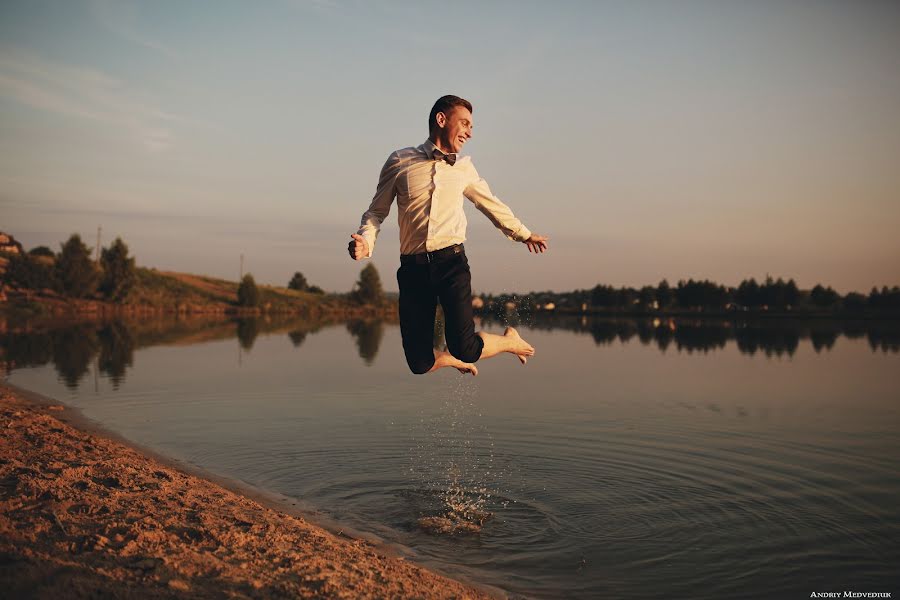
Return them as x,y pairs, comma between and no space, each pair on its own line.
380,207
499,214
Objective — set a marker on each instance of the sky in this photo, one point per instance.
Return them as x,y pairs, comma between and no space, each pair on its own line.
713,140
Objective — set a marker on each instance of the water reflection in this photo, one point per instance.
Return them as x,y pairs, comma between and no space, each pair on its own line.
73,350
247,332
368,334
110,346
73,347
772,337
116,351
716,473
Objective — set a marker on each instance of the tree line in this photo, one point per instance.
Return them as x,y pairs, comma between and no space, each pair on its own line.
749,295
72,273
366,291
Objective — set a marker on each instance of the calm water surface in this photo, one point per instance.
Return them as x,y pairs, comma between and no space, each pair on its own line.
629,459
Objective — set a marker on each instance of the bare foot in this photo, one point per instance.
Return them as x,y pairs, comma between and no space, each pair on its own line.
445,359
467,368
518,346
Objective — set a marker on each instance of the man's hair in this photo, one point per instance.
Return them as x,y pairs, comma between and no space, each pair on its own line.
443,105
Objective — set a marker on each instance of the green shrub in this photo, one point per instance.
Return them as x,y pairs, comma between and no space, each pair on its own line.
298,282
368,288
77,276
248,293
25,271
42,251
118,271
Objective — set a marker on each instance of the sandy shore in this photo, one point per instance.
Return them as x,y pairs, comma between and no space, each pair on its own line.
84,515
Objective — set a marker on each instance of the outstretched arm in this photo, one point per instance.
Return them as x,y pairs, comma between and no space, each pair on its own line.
363,242
479,192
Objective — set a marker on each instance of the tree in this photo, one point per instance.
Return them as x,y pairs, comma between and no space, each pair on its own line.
854,301
700,294
625,297
823,297
76,274
886,298
647,296
791,293
118,271
748,294
248,294
42,251
298,282
368,288
664,294
29,272
314,289
602,295
778,294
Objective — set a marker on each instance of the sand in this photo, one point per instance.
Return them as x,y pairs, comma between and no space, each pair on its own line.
85,515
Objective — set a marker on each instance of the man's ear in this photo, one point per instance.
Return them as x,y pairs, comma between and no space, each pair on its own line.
441,119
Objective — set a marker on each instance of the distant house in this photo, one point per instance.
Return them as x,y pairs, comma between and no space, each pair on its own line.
549,306
9,245
477,302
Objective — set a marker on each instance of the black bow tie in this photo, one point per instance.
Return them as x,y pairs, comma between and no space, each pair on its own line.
450,158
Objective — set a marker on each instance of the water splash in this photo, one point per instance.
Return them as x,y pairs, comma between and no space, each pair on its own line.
453,457
453,460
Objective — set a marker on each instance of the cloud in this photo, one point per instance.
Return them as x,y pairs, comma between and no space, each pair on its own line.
121,19
83,93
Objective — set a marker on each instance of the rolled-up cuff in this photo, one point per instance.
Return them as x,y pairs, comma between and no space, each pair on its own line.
522,234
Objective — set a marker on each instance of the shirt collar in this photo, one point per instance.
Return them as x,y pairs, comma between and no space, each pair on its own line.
429,148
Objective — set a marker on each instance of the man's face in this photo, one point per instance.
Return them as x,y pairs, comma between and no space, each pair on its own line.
456,128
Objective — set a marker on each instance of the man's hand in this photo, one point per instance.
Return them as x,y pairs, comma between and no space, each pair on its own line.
537,243
358,247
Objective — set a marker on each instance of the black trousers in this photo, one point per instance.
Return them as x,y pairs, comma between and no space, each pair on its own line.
421,286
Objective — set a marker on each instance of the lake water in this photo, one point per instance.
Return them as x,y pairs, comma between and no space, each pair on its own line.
629,459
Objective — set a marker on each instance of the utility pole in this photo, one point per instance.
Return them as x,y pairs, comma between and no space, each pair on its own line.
241,276
99,229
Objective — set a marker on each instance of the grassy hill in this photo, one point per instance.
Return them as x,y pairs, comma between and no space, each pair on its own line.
171,292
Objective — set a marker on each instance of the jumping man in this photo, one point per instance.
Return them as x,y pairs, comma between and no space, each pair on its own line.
429,182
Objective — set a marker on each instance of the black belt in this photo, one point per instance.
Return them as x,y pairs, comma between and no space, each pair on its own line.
423,258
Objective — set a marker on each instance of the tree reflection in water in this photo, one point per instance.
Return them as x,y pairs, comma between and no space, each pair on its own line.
72,347
297,337
116,351
368,334
73,350
771,337
247,332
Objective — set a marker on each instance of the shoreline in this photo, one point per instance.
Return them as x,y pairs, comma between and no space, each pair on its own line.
85,512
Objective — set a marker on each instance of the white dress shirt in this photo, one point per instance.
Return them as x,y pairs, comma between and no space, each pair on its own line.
429,196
